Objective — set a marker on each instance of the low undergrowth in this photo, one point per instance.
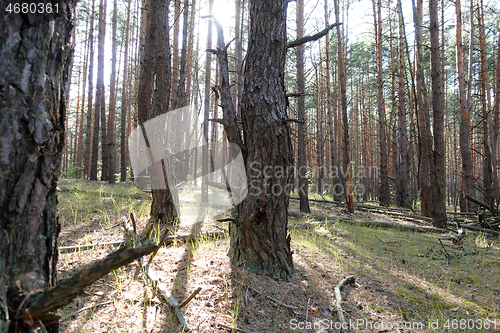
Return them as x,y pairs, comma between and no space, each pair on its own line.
404,280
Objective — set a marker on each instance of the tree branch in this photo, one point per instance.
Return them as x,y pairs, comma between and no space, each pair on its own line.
312,38
40,304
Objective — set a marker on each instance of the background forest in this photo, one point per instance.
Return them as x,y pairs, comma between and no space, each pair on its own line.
385,134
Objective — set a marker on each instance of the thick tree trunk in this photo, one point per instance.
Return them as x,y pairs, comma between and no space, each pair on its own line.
438,174
467,181
259,238
301,111
34,58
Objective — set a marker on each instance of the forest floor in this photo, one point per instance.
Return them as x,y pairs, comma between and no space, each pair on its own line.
404,281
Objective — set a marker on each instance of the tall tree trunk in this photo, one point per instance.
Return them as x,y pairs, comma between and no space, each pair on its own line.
110,142
100,107
32,135
496,128
156,73
124,103
485,107
345,121
88,131
206,112
403,174
467,181
439,171
330,111
259,238
384,191
301,111
175,52
423,118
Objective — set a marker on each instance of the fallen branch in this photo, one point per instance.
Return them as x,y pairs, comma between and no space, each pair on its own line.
232,329
267,296
89,246
332,220
416,217
41,304
338,297
491,208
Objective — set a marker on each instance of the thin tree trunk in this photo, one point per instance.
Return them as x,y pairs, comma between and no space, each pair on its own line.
485,107
124,103
496,128
439,171
343,102
301,107
88,132
206,112
467,179
423,119
110,142
385,191
403,174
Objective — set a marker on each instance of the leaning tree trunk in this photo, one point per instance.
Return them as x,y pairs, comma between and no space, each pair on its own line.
259,237
34,59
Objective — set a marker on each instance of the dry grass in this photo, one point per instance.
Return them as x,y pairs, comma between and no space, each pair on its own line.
401,277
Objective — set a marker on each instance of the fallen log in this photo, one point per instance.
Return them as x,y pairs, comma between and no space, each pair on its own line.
332,220
416,217
491,208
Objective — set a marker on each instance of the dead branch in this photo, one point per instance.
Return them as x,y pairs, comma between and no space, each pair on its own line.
267,296
332,220
312,38
491,208
89,246
295,121
187,300
83,309
338,297
41,304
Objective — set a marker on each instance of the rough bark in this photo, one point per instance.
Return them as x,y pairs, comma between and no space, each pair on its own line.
301,111
438,175
34,57
259,238
467,181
